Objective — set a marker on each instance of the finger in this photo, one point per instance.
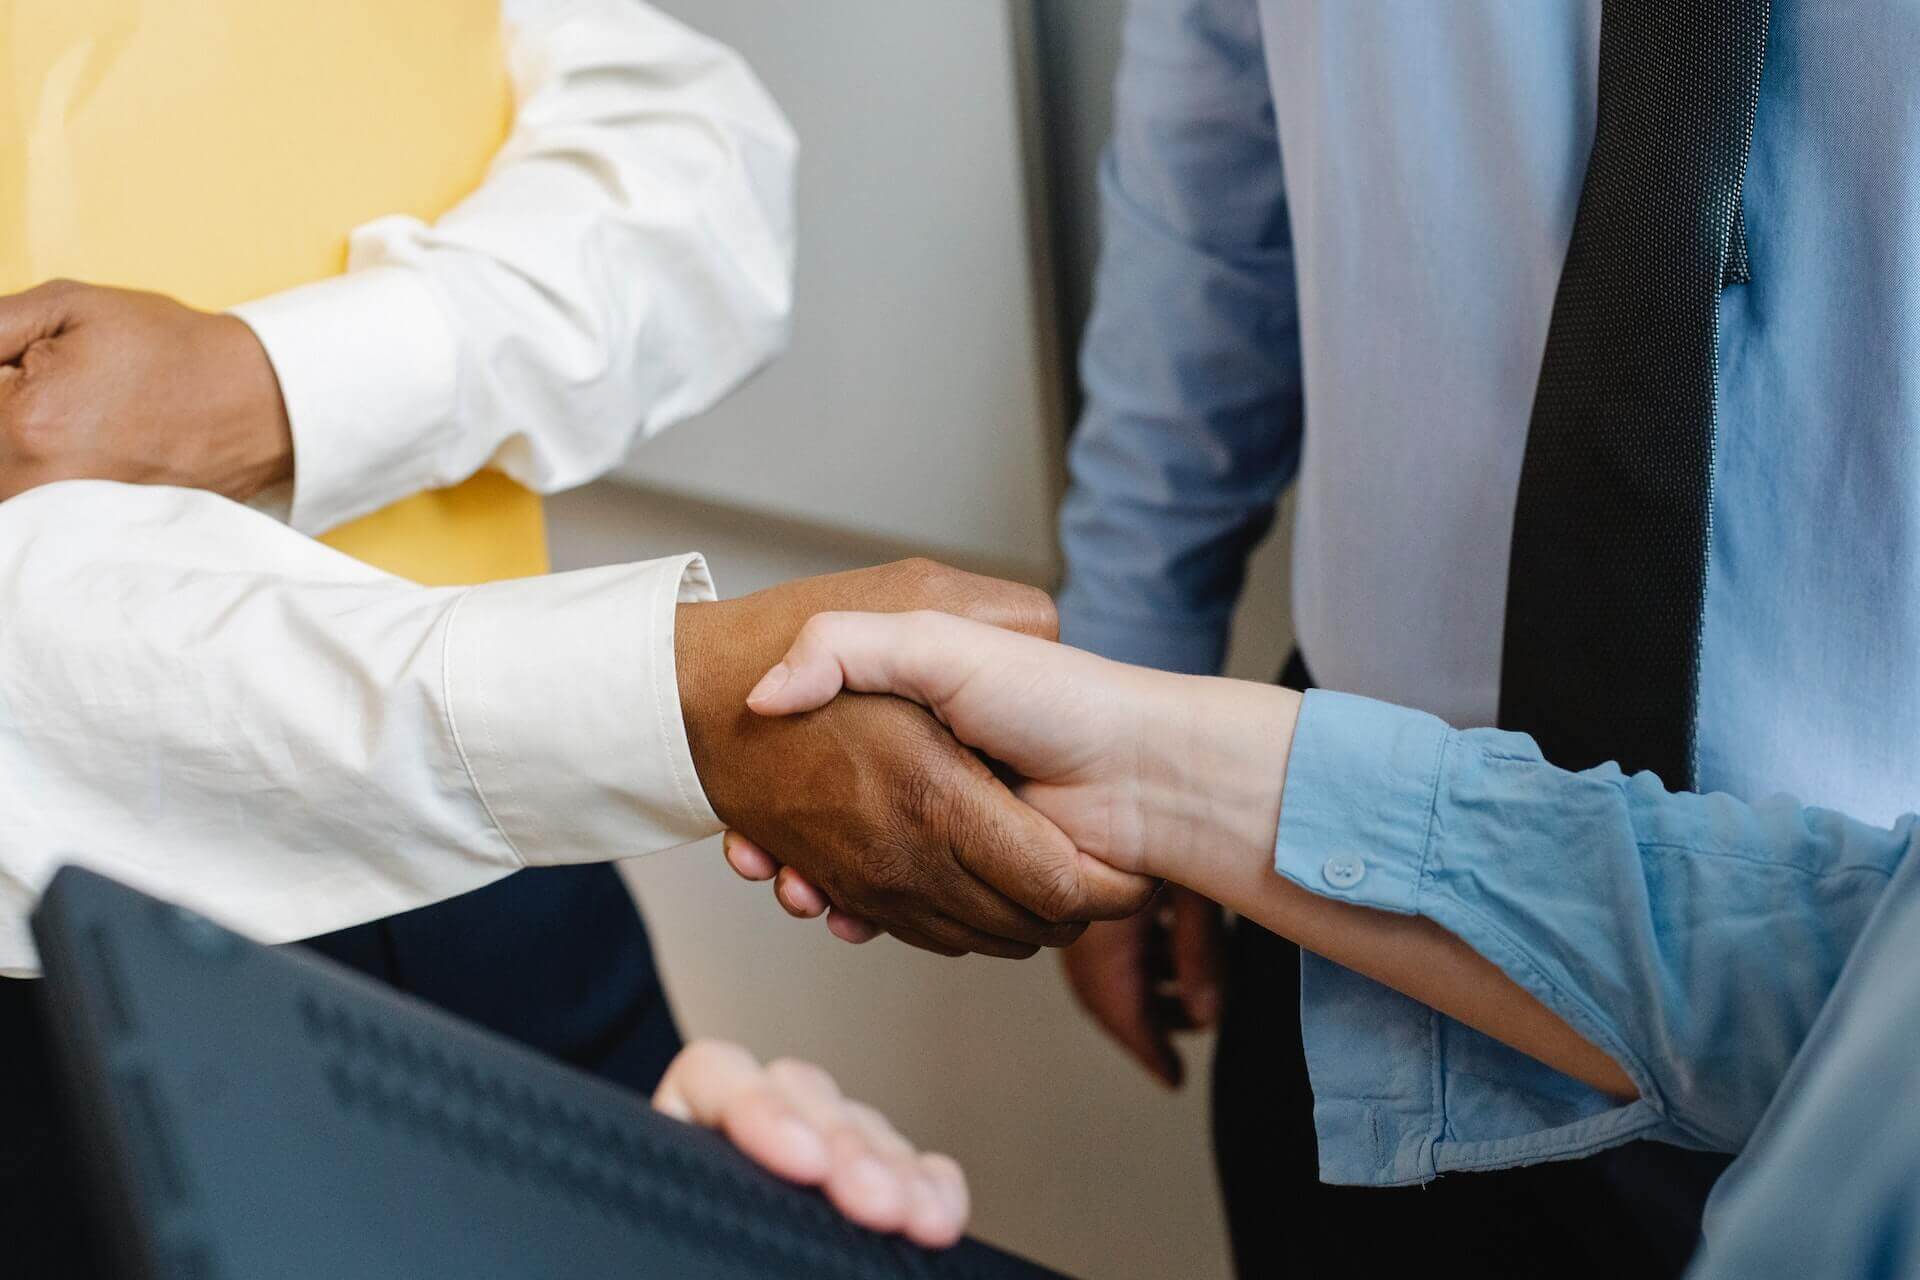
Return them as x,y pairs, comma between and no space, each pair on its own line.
922,656
701,1078
765,1128
876,1129
799,895
925,1212
1197,942
920,941
866,1187
973,909
950,1184
1111,974
849,927
748,860
945,935
810,1089
1010,846
720,1086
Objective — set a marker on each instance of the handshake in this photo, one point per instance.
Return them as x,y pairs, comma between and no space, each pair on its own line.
930,766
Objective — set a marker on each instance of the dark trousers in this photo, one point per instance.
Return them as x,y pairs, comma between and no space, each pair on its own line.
1631,1213
556,958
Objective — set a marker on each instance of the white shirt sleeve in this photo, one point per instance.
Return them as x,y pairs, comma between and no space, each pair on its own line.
201,702
626,262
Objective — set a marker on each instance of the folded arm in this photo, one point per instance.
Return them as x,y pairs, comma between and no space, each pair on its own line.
627,261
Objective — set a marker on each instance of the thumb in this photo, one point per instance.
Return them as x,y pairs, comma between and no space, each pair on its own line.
921,656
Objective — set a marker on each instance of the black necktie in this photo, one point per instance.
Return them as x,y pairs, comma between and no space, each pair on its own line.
1604,597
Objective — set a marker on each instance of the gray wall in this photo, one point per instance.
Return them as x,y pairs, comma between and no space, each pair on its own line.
1079,46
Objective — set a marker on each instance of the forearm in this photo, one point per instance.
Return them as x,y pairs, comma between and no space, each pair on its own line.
1583,918
208,705
1216,791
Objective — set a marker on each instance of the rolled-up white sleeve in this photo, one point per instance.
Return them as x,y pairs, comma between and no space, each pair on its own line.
201,702
627,261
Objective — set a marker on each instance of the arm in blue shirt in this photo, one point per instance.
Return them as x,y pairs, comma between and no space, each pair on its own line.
1693,938
1191,359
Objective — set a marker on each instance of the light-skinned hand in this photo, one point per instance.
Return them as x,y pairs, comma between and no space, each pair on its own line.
792,1119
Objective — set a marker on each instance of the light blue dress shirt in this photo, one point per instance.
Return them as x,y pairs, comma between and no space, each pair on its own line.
1751,968
1365,321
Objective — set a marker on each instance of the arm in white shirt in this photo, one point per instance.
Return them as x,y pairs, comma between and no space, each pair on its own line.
626,262
200,701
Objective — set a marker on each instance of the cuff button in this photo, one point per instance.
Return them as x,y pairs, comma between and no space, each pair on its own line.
1343,871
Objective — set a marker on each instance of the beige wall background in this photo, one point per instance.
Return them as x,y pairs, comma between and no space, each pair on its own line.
920,410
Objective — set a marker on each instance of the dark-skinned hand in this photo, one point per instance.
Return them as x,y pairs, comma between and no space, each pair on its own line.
870,798
110,384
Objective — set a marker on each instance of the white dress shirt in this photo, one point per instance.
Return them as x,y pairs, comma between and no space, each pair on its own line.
202,701
628,260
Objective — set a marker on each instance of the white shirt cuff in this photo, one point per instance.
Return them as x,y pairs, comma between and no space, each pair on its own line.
367,366
566,708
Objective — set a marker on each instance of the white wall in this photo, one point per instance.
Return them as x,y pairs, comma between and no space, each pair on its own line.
918,397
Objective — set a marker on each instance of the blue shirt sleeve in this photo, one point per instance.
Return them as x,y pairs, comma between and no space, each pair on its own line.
1694,938
1843,1133
1191,361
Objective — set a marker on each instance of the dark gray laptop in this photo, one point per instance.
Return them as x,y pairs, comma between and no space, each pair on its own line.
247,1113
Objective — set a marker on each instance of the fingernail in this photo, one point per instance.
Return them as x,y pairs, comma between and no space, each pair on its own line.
770,683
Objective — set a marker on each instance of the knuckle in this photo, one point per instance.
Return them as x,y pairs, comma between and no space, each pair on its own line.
888,877
927,580
923,568
798,1074
925,806
1033,612
710,1054
866,1117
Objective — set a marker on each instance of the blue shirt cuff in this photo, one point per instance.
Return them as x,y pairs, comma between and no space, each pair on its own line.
1401,1093
1358,805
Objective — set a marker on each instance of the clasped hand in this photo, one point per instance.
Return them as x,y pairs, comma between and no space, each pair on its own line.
871,799
1109,754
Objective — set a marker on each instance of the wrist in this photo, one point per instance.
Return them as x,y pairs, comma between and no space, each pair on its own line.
259,433
703,689
1213,780
719,653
